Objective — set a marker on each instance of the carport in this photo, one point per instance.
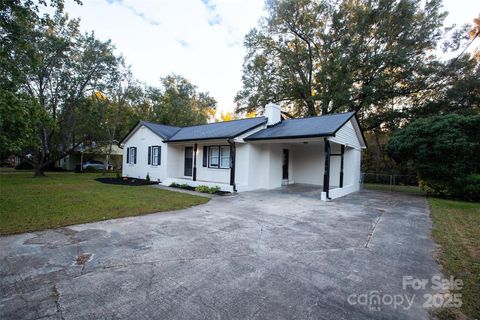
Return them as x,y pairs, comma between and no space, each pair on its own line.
316,162
322,151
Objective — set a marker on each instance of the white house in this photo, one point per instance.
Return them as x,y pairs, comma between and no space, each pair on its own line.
250,154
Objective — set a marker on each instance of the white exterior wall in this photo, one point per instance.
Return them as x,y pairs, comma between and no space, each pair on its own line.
308,163
142,139
346,136
259,166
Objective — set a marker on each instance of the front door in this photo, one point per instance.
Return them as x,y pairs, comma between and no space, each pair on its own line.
188,169
285,164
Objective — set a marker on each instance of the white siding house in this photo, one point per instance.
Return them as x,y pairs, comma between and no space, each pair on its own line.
251,154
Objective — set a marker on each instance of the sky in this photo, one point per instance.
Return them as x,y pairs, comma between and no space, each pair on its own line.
201,40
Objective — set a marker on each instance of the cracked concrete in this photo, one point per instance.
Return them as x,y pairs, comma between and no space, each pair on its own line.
266,255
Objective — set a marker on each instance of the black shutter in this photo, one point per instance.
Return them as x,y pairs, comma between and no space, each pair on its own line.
205,156
135,155
128,155
159,161
149,155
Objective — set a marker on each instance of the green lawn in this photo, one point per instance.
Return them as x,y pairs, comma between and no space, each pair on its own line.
61,199
456,228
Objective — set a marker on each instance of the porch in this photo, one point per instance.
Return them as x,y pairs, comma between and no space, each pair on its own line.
205,163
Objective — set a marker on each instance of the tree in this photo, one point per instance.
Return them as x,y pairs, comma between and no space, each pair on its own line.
318,57
57,67
178,103
444,151
17,116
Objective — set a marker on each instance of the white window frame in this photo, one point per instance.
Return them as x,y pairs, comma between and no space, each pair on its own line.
215,149
225,157
216,153
155,157
132,153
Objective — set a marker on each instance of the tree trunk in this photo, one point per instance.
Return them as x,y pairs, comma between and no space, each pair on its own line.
311,108
39,172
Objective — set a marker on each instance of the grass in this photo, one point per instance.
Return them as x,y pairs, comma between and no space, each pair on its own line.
10,169
62,199
456,228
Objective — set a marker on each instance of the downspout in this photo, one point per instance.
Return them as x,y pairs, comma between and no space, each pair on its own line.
326,173
233,151
342,154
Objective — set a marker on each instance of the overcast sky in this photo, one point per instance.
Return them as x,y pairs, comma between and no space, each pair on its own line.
198,39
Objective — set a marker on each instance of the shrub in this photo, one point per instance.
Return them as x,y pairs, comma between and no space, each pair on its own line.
24,165
207,189
181,186
147,178
445,153
117,175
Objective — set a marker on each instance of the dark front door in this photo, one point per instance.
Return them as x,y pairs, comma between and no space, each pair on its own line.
188,170
285,164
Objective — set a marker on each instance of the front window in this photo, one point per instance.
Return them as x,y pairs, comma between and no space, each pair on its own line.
132,155
219,157
214,157
156,153
224,157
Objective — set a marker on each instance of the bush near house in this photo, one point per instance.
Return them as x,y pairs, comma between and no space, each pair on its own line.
202,189
445,153
207,189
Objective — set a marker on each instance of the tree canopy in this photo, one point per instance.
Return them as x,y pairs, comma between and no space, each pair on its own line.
376,57
61,89
444,150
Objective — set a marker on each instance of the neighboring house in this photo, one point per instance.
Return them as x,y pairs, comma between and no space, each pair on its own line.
256,153
98,153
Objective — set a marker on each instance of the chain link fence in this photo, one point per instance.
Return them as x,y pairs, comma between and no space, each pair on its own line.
392,182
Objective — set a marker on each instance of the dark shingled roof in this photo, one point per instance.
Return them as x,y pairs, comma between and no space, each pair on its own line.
304,127
218,130
162,130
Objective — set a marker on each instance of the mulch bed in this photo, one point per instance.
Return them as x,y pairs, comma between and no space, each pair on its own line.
126,181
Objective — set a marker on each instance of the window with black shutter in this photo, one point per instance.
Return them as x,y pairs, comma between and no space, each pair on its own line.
128,155
154,155
205,156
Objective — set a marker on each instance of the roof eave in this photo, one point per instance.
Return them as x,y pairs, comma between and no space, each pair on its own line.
136,127
331,134
218,138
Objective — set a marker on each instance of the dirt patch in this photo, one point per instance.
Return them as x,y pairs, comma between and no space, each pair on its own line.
83,258
126,181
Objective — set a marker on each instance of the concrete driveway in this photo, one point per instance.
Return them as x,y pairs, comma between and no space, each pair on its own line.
265,255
